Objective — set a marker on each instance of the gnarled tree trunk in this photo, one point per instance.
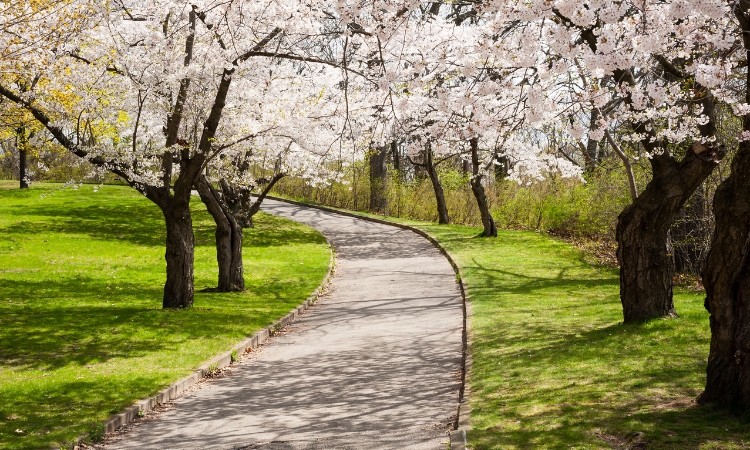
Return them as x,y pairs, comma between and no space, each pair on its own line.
488,223
228,239
644,250
643,247
727,281
727,273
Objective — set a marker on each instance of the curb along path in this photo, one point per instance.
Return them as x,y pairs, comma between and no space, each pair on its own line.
376,364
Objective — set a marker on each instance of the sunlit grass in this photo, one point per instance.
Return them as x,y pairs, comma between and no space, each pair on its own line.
82,332
553,365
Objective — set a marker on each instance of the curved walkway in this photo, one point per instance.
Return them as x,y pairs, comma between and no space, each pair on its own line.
373,365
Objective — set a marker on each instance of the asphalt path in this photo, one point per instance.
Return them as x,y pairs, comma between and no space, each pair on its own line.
375,364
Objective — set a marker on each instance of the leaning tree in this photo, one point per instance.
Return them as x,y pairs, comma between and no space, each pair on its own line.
647,55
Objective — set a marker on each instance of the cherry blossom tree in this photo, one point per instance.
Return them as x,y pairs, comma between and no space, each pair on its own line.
151,85
276,143
642,55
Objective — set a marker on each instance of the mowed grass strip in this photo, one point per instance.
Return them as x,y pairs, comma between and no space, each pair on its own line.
82,332
555,368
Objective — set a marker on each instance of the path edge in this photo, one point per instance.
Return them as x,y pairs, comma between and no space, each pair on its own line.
462,424
174,390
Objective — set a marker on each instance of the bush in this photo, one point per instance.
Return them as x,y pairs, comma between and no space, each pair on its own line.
564,206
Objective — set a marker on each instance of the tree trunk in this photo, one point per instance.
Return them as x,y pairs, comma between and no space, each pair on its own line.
644,251
727,281
442,207
643,248
378,180
727,273
178,289
228,239
488,223
646,264
396,157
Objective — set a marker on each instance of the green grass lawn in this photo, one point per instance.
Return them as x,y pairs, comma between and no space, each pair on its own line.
554,367
82,332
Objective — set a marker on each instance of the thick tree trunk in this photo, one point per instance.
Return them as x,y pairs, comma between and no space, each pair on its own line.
442,207
23,182
228,239
644,251
727,273
378,179
178,289
646,264
727,281
643,248
488,223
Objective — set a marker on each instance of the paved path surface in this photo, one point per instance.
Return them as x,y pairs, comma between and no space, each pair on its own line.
374,365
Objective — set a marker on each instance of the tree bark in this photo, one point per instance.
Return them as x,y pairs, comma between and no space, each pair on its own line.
727,281
727,273
644,251
378,179
442,207
396,157
643,248
488,223
228,239
178,289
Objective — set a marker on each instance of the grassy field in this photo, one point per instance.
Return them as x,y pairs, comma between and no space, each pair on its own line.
555,368
82,332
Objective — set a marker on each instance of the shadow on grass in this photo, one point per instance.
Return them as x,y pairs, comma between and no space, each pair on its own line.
35,334
560,382
31,418
554,367
140,224
82,332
